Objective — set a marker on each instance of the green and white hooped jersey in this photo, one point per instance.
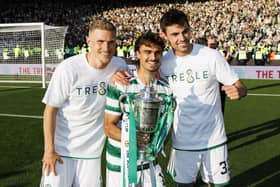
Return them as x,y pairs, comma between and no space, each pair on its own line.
194,80
79,91
113,149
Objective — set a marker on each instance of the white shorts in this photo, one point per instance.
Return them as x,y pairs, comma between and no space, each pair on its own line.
114,178
75,173
213,166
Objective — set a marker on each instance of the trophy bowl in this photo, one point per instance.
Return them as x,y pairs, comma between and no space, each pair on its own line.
147,107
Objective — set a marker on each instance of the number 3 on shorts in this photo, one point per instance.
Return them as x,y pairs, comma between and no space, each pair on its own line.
224,167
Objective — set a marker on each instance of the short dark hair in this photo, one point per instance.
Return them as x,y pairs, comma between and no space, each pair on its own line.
149,38
173,16
201,41
212,36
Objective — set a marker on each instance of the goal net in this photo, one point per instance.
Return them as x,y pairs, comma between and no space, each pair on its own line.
29,52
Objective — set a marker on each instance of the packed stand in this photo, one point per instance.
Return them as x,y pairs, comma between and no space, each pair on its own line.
249,30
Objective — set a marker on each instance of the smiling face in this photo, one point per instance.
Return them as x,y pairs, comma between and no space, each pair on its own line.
178,37
149,56
176,31
102,45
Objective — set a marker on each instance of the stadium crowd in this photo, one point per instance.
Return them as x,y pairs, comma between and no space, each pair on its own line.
239,25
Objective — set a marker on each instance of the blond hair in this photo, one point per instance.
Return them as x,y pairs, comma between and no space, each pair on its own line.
102,24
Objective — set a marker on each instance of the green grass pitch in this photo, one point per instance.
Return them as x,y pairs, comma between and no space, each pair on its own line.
252,124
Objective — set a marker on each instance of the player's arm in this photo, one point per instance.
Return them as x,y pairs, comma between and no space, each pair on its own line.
121,77
235,91
50,156
110,126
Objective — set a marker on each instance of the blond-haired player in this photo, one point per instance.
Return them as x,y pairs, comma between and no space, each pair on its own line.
73,116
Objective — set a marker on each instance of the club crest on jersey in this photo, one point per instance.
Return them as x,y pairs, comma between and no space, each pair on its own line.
102,88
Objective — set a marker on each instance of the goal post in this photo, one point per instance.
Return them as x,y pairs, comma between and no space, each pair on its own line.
29,52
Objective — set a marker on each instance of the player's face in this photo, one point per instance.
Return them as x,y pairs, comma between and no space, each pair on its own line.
149,57
212,43
102,45
178,38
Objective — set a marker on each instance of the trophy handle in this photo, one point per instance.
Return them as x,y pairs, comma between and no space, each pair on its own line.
122,98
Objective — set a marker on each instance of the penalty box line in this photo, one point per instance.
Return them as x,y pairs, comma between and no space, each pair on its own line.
269,95
21,116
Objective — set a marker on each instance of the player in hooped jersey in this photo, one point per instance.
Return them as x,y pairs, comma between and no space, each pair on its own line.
148,48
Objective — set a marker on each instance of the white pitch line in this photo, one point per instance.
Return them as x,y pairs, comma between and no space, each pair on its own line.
15,87
41,117
21,116
269,95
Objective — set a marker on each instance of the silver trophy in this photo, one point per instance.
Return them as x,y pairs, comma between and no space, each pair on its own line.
147,107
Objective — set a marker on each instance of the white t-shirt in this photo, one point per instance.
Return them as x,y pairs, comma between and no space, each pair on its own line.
194,78
79,91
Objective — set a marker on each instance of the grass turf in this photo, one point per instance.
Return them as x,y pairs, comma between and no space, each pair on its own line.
252,124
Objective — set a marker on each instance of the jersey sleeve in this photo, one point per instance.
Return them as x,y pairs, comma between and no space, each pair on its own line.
58,90
112,100
224,73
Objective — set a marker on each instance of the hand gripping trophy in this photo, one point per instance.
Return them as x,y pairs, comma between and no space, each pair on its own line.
147,113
